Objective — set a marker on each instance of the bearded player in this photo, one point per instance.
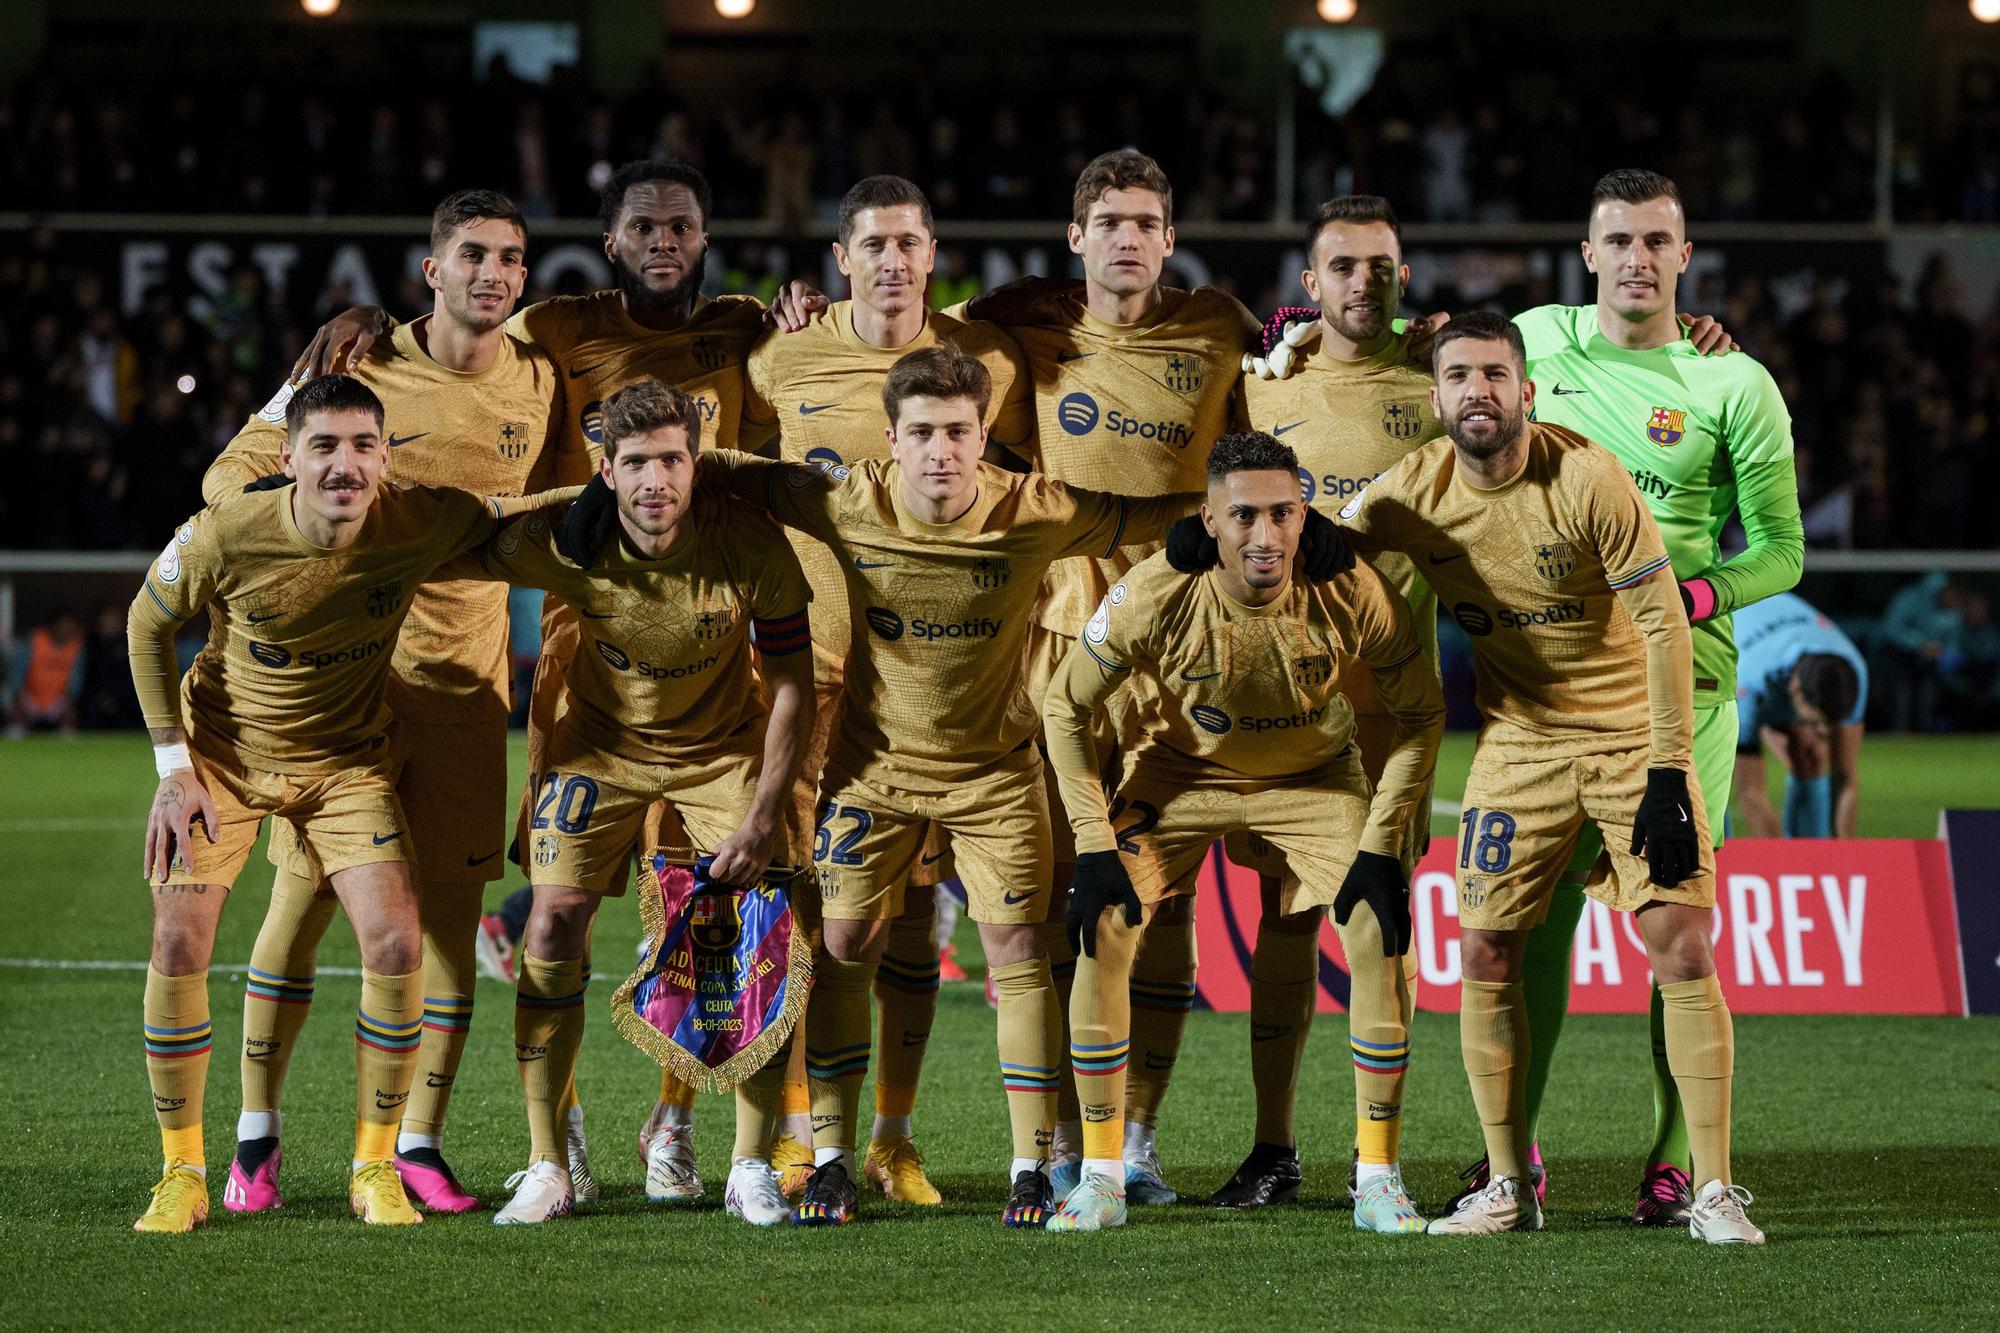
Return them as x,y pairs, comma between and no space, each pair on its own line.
820,390
1133,382
1252,733
474,407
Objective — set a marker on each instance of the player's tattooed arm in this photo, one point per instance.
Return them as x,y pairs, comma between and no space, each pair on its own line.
343,341
178,801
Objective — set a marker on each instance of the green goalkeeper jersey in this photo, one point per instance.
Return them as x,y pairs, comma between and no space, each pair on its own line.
1701,436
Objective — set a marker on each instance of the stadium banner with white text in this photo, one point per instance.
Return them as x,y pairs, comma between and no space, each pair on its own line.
1802,926
1973,840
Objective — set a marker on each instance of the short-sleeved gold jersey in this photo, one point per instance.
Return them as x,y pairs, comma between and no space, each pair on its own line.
1349,422
820,391
294,676
1534,571
494,433
663,673
1249,691
600,348
1132,408
939,612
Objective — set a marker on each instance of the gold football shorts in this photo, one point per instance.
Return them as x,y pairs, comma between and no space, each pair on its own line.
346,818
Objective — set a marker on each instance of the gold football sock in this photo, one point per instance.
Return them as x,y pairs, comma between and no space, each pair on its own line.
177,1048
1284,985
569,1104
1162,997
387,1028
1701,1047
1030,1053
548,1030
1100,1035
278,995
675,1091
1378,1037
451,922
1062,973
837,1049
1493,1035
757,1101
906,994
798,1102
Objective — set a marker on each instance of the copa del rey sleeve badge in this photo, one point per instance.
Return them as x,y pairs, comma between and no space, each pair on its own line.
724,976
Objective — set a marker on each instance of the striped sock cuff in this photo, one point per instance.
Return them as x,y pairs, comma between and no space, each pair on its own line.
178,1043
1380,1058
1170,997
1028,1078
386,1036
270,986
523,1000
1098,1061
910,978
448,1013
837,1062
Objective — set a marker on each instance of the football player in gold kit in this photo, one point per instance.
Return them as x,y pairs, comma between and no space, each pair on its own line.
820,390
285,712
1252,732
475,407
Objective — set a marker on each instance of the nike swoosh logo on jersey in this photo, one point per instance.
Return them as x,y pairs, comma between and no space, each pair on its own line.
807,409
259,617
861,562
1445,559
580,371
481,860
1282,429
381,841
1190,676
1559,391
1015,899
398,441
1063,358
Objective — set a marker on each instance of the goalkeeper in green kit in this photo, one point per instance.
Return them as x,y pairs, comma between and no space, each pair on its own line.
1704,438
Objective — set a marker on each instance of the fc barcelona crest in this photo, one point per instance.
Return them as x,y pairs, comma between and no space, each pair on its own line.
991,572
383,599
1555,560
514,440
711,625
1403,419
1183,374
710,354
1666,426
715,921
1312,670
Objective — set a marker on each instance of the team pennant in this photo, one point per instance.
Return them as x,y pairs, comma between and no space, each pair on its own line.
724,976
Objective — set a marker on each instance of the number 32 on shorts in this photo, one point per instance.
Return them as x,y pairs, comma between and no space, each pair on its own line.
1487,844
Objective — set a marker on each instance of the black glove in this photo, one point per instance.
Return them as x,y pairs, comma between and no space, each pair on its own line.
1189,547
276,481
1323,548
591,523
1378,880
1099,884
1664,828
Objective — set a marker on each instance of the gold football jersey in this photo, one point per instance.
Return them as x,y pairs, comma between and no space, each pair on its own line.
664,672
295,673
1577,652
1133,409
495,432
1349,422
820,392
600,348
939,612
1255,692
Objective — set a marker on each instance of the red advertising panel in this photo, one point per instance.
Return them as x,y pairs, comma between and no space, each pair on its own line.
1802,926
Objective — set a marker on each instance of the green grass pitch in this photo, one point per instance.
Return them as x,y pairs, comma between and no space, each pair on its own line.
1873,1146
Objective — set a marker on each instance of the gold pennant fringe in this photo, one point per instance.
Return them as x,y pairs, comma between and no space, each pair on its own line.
670,1054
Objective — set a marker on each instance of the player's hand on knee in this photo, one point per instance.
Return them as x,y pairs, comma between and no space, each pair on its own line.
589,525
1190,549
1378,880
1099,884
1664,829
742,857
180,800
1323,549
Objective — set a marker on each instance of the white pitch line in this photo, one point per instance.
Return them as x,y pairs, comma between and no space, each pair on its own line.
1445,808
139,965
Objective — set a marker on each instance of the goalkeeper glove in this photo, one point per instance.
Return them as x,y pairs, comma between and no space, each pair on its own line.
1323,549
1664,828
591,522
1377,880
1099,884
276,481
